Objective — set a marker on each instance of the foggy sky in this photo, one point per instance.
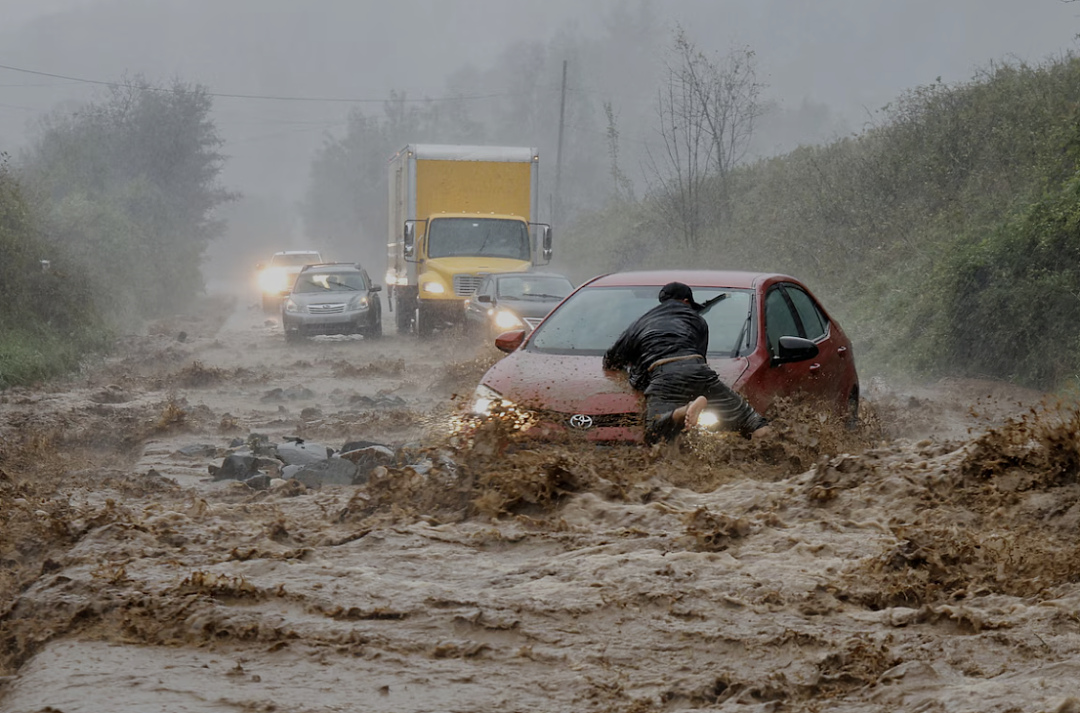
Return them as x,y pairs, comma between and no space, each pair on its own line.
852,55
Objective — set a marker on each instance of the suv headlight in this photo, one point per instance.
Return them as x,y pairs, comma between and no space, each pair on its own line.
504,319
291,306
484,398
359,302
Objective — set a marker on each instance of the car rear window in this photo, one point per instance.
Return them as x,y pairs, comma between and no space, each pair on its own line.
592,319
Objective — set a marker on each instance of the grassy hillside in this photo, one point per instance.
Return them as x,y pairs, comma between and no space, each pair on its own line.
946,237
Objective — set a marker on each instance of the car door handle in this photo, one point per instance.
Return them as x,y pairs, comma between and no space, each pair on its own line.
842,351
815,368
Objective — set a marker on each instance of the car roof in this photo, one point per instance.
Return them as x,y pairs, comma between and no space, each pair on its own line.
498,275
694,278
334,266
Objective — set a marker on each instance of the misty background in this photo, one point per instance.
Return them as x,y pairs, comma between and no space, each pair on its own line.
828,67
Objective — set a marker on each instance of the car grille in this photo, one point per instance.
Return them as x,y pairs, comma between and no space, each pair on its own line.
533,321
326,309
610,420
466,285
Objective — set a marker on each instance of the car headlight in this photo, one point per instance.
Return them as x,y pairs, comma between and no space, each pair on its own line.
434,288
708,419
484,398
359,303
507,320
273,279
291,306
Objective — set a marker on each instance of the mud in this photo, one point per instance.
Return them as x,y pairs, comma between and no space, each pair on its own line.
926,561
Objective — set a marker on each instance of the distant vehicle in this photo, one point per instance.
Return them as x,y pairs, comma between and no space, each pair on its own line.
456,214
277,276
332,298
515,300
768,338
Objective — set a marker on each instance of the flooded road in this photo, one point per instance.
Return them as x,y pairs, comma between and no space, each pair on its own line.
928,562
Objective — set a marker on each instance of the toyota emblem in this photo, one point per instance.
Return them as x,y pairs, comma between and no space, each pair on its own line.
581,422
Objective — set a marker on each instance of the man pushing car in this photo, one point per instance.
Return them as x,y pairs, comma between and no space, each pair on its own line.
663,352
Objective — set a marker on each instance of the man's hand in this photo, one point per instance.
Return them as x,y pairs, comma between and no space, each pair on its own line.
763,433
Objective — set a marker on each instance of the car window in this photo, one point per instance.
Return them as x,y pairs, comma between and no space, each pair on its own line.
534,287
779,319
813,321
338,281
592,319
297,260
485,287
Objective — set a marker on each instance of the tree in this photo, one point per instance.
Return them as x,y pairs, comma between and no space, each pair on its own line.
706,111
128,184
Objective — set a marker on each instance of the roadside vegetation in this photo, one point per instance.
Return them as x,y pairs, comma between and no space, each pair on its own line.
947,233
118,197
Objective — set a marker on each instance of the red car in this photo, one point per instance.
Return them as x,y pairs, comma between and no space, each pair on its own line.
768,338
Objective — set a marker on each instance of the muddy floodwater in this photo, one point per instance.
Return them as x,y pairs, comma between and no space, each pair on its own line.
929,561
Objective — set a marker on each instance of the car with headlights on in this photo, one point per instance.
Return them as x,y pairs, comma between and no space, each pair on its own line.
332,298
515,300
276,277
769,337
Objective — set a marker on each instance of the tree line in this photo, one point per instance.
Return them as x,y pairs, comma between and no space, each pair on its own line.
104,219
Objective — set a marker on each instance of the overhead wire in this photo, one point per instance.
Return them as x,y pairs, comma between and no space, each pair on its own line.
257,97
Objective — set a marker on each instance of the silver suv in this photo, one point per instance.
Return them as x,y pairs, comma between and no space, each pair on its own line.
332,298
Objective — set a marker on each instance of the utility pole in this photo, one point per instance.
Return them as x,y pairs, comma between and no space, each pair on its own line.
557,213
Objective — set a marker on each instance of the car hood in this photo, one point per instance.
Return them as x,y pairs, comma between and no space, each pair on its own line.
324,298
529,308
576,384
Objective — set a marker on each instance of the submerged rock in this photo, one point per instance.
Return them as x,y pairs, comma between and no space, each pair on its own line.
331,471
302,452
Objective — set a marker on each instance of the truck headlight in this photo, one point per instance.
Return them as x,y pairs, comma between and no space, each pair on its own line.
291,307
505,319
434,288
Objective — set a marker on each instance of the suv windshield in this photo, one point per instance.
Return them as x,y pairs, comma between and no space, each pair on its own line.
337,281
297,260
474,237
534,287
591,320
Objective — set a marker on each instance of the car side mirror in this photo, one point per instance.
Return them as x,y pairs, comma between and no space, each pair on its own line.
375,288
509,341
486,299
794,349
409,238
545,242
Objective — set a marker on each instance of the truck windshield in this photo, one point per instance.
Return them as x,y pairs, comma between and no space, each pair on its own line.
476,237
591,320
295,259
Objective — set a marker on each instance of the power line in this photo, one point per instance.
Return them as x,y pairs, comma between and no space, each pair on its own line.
260,97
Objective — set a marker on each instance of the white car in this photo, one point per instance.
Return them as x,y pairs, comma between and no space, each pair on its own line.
278,276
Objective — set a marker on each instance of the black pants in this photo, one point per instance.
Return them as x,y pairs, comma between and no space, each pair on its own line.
676,384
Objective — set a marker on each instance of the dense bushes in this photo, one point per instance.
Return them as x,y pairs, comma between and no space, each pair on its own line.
119,196
47,323
945,235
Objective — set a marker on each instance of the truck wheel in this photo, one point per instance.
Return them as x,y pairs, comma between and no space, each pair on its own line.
403,314
425,324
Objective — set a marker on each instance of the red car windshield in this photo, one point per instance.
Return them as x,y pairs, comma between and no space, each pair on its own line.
593,318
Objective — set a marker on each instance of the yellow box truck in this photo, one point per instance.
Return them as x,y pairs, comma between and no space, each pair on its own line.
458,213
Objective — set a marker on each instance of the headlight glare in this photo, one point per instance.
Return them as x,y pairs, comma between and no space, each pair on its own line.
434,288
291,306
708,419
507,320
484,398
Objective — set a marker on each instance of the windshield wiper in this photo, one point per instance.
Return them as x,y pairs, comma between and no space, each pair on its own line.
541,295
709,303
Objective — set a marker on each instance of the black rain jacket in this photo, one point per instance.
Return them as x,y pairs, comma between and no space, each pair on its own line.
672,328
